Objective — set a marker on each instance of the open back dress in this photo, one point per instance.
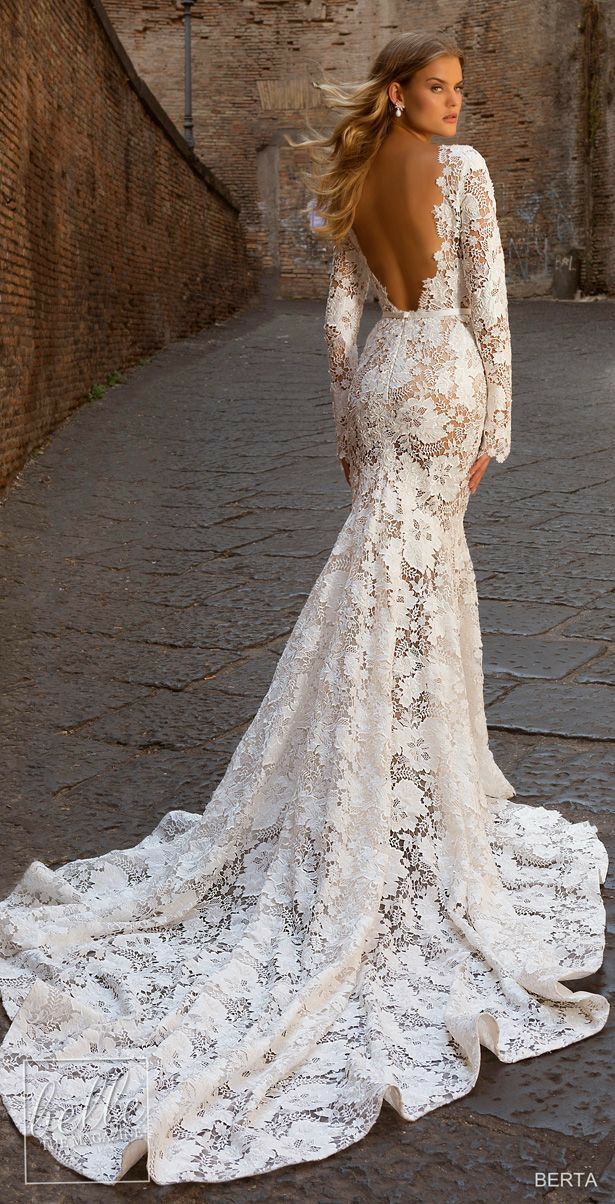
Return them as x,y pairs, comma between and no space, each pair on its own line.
361,904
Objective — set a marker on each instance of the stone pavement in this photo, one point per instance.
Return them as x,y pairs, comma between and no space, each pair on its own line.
155,556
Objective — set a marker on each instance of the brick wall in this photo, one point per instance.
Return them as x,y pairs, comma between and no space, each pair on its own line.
598,140
526,109
115,237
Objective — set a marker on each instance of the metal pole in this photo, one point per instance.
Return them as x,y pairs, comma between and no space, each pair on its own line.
188,125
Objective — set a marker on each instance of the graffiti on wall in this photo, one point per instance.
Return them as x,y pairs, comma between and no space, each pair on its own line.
545,231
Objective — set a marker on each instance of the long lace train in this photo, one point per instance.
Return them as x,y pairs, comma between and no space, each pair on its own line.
360,906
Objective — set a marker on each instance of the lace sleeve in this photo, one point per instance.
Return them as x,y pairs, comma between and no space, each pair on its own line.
348,283
484,272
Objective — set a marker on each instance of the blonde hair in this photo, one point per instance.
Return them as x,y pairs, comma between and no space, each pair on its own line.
342,158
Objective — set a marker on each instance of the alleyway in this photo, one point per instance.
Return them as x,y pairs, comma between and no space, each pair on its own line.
154,558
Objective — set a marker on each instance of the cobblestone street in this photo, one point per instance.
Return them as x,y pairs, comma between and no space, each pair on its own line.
155,556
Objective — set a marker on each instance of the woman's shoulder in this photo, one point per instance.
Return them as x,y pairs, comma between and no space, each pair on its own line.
469,171
469,155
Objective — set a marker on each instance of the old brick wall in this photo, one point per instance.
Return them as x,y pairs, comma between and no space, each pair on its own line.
598,137
115,238
526,110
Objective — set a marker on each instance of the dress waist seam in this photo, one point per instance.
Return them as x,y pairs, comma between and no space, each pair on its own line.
457,311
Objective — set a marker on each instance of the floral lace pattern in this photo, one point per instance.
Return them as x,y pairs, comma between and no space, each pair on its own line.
361,904
470,275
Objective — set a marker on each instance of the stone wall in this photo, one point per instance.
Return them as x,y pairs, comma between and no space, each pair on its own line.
116,238
530,69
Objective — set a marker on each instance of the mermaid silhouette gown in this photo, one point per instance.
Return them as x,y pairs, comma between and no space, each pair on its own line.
361,905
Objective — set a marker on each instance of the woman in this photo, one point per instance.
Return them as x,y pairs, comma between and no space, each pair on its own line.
360,906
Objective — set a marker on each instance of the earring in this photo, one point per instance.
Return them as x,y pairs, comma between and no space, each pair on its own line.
398,111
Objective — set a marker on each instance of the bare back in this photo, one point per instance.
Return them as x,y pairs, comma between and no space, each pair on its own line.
394,222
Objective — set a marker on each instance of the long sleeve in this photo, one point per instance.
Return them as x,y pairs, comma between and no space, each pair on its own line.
348,284
484,273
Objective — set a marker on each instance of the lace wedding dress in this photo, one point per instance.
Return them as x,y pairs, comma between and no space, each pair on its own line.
360,906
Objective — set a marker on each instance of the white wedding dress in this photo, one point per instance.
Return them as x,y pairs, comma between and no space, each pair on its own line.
360,906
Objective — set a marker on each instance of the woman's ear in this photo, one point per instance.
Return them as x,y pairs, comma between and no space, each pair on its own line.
391,93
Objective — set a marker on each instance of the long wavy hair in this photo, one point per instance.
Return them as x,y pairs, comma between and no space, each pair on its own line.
341,159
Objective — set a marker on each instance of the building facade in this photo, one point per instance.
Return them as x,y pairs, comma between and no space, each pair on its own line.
538,105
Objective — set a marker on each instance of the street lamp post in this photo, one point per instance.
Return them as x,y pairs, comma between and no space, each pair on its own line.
188,125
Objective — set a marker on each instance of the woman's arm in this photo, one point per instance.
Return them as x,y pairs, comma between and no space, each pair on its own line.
348,284
484,272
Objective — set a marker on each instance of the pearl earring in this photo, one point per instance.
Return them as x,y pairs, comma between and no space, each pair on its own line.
398,111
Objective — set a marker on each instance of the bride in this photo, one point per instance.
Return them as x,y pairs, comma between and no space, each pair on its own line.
361,904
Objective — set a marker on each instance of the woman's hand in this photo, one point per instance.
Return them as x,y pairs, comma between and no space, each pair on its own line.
346,466
477,471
